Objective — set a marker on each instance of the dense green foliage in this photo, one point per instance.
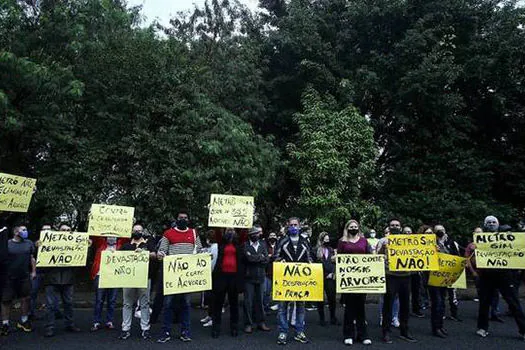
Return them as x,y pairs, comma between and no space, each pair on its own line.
326,109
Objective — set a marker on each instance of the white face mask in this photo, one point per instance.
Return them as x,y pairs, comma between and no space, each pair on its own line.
372,235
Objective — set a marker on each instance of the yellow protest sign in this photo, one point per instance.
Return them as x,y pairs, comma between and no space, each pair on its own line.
187,273
360,273
297,282
412,253
231,211
16,192
461,283
501,250
110,220
62,249
124,269
451,267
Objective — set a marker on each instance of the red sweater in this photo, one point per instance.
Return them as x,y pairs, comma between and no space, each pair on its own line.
229,261
100,244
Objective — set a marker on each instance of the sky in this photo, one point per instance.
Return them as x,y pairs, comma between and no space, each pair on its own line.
164,9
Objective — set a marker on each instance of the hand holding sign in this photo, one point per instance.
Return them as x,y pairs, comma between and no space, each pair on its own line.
110,220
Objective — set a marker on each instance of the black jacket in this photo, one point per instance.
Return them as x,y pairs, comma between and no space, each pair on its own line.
285,252
450,246
255,262
217,280
328,264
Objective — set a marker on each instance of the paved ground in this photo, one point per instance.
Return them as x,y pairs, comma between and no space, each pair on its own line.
503,336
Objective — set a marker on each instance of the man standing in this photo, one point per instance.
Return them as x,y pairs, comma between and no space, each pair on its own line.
292,248
255,260
397,284
267,299
20,271
180,239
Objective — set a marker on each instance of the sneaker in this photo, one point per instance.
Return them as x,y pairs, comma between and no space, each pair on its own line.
380,321
95,327
49,333
206,319
110,325
482,333
208,324
124,335
497,319
444,330
419,314
455,318
25,326
387,339
281,339
439,333
145,335
367,342
348,341
164,338
223,310
274,307
185,338
137,314
4,331
395,322
408,338
301,338
476,300
311,308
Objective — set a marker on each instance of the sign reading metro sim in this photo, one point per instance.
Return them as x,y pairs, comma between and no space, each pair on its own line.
231,211
297,282
501,250
62,249
451,268
412,253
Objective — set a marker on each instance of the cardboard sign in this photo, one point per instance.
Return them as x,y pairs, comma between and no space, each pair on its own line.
297,282
501,250
124,269
110,220
16,192
187,273
412,253
461,283
360,273
451,267
231,211
62,249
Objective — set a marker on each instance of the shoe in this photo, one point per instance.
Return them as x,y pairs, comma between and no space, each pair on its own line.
281,339
439,333
248,329
367,342
95,327
482,333
380,321
348,341
274,307
263,327
455,318
386,339
395,322
234,333
110,325
497,319
164,338
419,314
476,300
124,335
49,333
4,331
208,324
72,329
444,330
145,334
215,334
185,338
301,338
223,310
25,326
137,314
311,308
206,319
408,338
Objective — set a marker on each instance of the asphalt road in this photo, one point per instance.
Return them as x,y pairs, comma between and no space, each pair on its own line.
462,335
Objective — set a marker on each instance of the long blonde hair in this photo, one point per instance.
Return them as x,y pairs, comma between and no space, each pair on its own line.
345,237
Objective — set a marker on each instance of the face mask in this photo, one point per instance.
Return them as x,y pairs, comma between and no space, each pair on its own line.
182,224
372,235
272,240
353,231
136,235
228,236
23,234
254,238
326,242
111,240
293,230
395,230
440,233
492,227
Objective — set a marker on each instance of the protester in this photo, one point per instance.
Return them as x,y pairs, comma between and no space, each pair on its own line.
4,255
21,270
424,297
37,281
59,283
437,294
228,278
267,300
180,239
397,283
325,255
372,240
395,303
255,262
292,248
497,279
212,248
353,243
158,278
108,295
139,243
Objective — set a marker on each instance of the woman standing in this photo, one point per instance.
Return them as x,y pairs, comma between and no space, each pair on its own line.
325,255
353,242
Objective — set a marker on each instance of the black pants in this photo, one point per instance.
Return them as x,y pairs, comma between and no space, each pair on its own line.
227,285
330,290
253,303
355,311
396,285
158,302
437,306
415,285
494,280
452,301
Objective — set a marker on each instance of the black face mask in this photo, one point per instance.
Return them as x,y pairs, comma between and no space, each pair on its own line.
353,231
228,236
326,243
272,240
254,238
395,230
440,233
136,235
182,224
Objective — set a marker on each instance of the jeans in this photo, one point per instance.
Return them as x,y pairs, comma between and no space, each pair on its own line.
397,286
65,291
491,281
253,304
437,306
282,316
170,302
108,295
130,295
395,307
158,301
267,296
330,290
355,311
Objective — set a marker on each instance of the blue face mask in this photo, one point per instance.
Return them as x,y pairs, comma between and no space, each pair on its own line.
23,234
293,230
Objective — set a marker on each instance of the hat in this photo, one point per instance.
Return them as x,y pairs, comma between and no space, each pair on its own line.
254,230
490,218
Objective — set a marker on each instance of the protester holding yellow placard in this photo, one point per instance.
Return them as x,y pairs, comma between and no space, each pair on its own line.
353,242
16,192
